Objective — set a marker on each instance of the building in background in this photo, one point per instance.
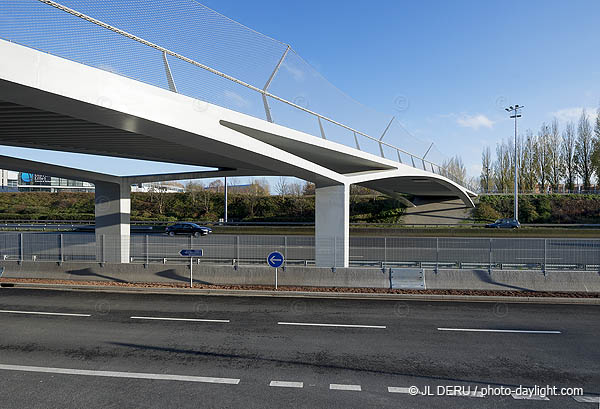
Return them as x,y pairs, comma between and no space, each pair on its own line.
162,187
11,181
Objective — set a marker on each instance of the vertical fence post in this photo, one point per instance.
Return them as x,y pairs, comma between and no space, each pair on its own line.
490,260
285,247
544,268
384,253
147,255
61,249
437,254
21,250
103,249
237,251
334,252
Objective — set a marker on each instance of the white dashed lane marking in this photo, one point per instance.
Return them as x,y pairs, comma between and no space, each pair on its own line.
310,324
111,374
45,313
512,331
587,399
529,397
286,384
342,387
397,389
178,319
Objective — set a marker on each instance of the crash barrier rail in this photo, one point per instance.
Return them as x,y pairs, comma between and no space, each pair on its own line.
380,252
187,48
72,224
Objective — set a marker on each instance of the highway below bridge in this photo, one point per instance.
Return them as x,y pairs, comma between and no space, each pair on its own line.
64,349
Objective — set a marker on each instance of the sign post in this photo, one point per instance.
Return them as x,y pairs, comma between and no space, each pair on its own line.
275,260
191,254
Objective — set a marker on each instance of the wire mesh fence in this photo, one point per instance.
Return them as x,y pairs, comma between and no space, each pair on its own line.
380,252
185,47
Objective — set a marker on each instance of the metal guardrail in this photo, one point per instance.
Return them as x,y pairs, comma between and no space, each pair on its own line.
76,223
381,252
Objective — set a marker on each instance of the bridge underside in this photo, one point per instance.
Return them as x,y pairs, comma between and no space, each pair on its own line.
50,103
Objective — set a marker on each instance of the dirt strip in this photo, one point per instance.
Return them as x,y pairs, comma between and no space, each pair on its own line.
492,293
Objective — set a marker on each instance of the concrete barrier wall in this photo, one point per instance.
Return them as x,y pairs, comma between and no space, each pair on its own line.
584,281
203,274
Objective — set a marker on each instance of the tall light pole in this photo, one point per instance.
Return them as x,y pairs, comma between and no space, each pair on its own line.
515,112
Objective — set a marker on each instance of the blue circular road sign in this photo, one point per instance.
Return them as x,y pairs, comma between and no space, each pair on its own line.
275,259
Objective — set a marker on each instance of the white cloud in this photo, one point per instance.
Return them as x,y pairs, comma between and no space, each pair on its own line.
475,122
297,73
573,114
236,99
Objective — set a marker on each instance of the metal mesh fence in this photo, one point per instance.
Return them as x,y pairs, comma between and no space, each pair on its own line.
382,252
212,58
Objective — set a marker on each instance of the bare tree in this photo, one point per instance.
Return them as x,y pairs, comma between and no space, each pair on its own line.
596,152
282,186
568,156
486,177
528,168
555,160
502,168
543,156
454,169
583,150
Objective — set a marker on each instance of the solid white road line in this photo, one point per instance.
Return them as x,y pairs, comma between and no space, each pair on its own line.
286,384
332,325
341,387
514,331
46,313
177,319
529,397
111,374
396,389
587,399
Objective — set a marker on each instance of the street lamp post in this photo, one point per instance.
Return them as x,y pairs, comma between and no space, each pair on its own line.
515,112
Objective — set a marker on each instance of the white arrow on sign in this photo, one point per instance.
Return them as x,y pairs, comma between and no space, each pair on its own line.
274,259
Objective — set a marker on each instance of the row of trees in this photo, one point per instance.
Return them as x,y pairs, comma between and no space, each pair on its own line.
549,160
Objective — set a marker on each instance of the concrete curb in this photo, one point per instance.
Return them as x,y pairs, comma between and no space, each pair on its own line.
308,294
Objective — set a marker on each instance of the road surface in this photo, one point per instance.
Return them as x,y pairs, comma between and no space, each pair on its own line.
61,349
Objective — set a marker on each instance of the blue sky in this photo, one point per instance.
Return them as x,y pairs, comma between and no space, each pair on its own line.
457,63
445,69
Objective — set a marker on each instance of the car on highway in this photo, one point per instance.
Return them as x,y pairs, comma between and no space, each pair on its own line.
187,228
504,224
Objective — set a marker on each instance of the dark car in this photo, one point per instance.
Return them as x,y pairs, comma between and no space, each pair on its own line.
504,224
190,229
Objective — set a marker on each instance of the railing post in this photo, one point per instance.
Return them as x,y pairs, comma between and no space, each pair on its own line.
334,252
356,140
321,128
147,255
61,248
237,250
490,260
384,253
103,249
544,267
437,254
285,247
21,249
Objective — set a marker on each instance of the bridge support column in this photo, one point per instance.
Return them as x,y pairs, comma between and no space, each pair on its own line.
332,226
113,213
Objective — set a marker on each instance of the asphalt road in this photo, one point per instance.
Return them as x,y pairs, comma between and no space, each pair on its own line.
256,355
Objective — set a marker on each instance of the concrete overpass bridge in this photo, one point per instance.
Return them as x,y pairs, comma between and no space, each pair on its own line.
54,103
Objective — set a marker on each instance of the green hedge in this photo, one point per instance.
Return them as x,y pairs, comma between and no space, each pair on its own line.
541,208
201,206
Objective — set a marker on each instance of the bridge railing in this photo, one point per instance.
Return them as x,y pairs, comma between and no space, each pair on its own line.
187,48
